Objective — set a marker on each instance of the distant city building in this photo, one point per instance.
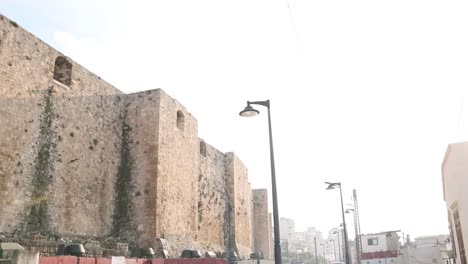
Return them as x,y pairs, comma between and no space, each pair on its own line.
327,251
313,232
293,242
304,241
335,235
287,227
455,184
427,249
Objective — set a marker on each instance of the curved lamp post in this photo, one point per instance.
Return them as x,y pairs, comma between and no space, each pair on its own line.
248,112
339,246
331,186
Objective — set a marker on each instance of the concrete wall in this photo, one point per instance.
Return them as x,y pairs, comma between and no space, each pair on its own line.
25,257
455,183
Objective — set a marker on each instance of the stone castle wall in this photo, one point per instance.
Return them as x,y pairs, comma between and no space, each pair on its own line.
57,141
212,202
177,190
27,67
78,158
240,200
261,232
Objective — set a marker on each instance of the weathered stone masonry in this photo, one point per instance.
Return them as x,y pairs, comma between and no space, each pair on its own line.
81,159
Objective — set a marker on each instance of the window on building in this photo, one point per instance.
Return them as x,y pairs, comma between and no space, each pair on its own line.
458,232
63,70
203,148
180,120
372,241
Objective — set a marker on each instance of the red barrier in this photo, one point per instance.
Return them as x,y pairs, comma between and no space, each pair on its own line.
130,261
58,260
170,261
190,261
143,261
379,255
212,261
86,261
48,260
103,261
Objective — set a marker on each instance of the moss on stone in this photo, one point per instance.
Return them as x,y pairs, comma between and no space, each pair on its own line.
122,225
43,168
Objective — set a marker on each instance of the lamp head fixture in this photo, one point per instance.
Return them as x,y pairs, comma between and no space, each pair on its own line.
333,185
249,111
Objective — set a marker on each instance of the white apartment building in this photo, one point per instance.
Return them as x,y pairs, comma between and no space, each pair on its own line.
455,186
287,229
380,248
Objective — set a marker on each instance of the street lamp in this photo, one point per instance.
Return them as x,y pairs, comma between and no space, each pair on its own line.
331,186
323,249
334,249
339,246
248,112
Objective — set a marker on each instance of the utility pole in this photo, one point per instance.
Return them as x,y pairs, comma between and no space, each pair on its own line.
357,228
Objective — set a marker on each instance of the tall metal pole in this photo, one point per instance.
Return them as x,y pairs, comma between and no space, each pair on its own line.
315,245
357,228
275,195
249,111
344,229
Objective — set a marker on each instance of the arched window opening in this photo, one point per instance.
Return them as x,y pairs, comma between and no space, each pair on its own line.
180,120
63,70
203,148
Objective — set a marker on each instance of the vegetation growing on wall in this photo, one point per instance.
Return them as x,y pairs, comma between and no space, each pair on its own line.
228,227
122,225
43,169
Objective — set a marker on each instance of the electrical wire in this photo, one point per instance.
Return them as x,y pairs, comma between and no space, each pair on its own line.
293,22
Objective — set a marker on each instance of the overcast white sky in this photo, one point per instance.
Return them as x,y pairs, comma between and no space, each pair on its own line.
368,93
